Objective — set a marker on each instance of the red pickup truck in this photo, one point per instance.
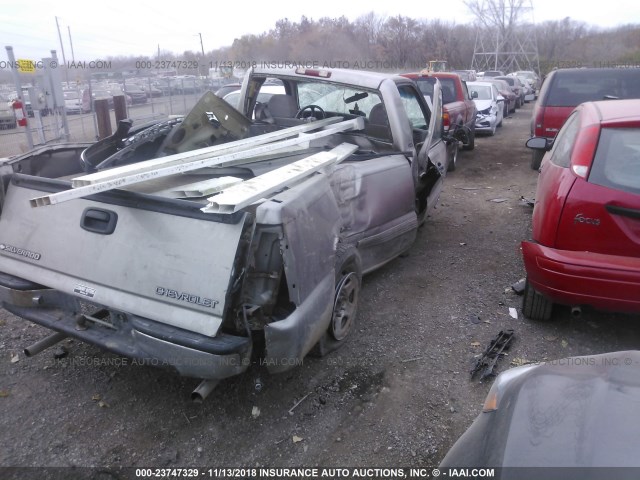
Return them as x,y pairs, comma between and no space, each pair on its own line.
458,108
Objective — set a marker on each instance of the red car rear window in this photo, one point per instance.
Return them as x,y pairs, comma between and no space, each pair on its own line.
572,88
617,161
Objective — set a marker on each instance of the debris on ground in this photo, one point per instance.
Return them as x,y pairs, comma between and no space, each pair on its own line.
475,319
298,403
528,201
60,352
255,412
518,362
297,439
518,287
513,313
498,200
496,349
15,358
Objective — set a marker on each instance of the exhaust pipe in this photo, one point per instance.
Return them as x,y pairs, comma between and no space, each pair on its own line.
576,312
203,390
45,343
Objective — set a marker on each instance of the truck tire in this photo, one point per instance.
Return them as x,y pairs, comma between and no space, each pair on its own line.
536,159
345,303
536,306
348,284
453,157
472,140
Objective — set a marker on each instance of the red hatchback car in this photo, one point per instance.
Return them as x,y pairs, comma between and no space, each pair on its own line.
586,220
564,89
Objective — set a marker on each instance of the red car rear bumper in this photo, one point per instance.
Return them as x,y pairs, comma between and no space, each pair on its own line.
606,282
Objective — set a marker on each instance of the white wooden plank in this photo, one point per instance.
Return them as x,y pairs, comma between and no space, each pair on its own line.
226,160
206,187
247,192
179,158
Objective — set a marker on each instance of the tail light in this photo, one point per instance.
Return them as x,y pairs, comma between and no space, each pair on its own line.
584,150
538,118
446,121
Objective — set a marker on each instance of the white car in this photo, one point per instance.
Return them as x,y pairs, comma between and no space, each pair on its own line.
490,105
72,101
266,92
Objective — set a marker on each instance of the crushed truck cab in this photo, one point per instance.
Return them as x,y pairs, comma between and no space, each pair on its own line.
229,236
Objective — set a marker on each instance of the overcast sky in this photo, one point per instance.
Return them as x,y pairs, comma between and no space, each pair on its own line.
138,27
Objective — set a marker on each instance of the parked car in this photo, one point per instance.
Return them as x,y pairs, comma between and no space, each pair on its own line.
169,86
516,87
228,88
531,76
151,91
136,93
572,412
72,101
585,247
266,92
507,94
563,89
89,96
459,108
466,75
204,281
493,73
490,106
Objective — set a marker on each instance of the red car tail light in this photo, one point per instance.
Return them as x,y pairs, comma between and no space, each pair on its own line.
538,118
584,150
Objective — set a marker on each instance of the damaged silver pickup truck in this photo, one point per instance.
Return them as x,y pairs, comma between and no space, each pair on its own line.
226,237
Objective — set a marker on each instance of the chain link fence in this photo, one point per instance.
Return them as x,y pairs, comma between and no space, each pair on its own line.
148,98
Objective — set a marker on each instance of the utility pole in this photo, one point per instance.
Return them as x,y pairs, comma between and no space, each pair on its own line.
64,60
201,45
73,57
202,48
505,35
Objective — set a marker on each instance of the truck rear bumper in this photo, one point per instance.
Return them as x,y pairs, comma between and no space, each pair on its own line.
147,341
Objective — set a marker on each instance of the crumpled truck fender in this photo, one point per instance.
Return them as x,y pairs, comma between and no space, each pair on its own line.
310,220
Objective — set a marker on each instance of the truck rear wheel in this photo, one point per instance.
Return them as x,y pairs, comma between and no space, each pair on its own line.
348,283
472,140
453,157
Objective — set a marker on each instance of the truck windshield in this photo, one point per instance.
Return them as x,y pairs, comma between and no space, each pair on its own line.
337,98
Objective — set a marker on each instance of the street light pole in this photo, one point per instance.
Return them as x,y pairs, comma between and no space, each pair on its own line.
202,49
64,60
201,45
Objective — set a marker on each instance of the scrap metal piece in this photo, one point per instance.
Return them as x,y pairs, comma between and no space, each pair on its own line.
495,350
527,201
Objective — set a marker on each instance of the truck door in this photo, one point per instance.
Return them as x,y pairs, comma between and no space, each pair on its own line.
430,163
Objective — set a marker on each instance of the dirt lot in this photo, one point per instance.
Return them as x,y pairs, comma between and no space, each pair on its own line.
398,394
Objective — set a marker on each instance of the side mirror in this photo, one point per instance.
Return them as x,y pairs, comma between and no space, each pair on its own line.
500,98
474,94
540,143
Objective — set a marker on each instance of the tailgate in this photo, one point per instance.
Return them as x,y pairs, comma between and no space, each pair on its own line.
160,259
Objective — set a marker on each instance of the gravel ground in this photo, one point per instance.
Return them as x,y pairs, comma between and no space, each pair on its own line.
397,394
